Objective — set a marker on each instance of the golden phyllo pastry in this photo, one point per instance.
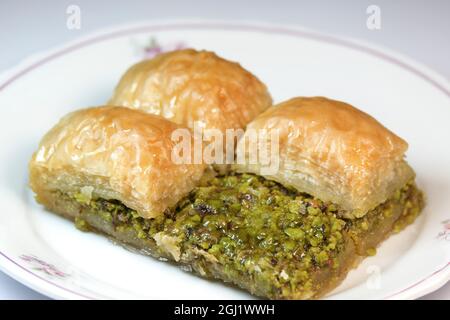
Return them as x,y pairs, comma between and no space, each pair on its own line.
110,169
112,153
332,151
189,86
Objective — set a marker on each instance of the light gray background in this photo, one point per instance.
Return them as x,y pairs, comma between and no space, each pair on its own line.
419,29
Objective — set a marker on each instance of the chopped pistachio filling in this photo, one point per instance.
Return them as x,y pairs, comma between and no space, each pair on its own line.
258,230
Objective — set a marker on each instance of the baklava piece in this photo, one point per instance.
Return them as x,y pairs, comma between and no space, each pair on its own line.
112,153
189,86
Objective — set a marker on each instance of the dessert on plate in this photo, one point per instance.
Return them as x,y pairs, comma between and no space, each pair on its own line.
341,187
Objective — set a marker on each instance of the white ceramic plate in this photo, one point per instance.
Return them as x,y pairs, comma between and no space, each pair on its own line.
48,254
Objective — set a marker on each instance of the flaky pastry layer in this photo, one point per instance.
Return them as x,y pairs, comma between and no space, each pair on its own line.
114,153
188,86
331,150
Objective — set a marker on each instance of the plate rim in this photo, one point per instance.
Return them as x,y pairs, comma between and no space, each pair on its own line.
24,275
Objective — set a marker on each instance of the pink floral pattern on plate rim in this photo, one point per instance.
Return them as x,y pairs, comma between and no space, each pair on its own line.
153,48
445,233
43,267
255,28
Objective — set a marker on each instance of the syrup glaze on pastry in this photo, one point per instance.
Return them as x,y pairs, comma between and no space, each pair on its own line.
188,86
114,153
332,151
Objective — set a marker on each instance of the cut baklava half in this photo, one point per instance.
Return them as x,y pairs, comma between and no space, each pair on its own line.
337,186
193,88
